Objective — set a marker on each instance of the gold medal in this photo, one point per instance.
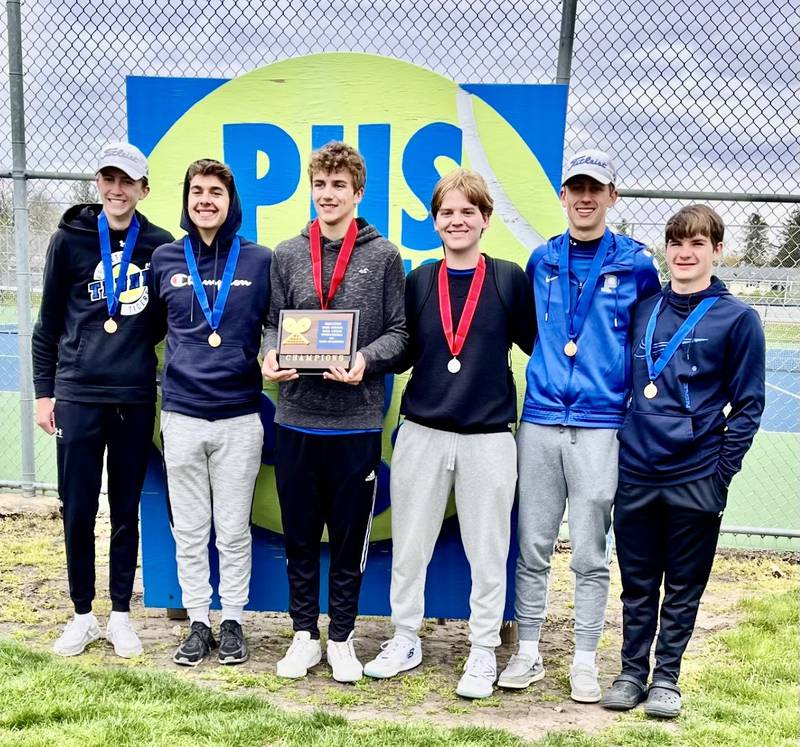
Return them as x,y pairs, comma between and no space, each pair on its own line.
454,365
650,390
110,326
570,348
214,340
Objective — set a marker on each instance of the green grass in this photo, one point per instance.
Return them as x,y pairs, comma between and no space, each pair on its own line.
741,691
44,701
782,332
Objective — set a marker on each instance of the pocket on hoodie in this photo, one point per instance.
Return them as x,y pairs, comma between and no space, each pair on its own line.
196,371
655,441
116,360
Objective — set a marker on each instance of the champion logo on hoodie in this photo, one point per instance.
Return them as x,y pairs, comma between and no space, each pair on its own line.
182,280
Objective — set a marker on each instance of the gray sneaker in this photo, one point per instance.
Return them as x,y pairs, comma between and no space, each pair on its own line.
583,681
521,671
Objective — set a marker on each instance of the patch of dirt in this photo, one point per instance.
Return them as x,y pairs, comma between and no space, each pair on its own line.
34,604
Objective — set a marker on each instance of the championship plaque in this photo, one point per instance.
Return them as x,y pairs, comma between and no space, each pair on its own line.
313,340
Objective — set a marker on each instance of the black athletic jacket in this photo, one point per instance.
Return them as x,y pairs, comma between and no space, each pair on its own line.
74,359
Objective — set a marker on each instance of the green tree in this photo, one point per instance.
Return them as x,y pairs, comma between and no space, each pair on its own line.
789,249
624,228
755,241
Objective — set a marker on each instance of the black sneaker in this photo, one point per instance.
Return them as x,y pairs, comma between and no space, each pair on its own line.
232,645
196,647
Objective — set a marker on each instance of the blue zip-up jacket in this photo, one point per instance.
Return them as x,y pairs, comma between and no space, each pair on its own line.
589,389
198,380
683,434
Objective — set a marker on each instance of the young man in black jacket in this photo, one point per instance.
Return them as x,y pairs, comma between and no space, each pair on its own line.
93,351
215,287
696,351
464,313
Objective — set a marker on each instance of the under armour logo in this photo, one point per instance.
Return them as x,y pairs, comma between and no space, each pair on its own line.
363,271
59,433
370,477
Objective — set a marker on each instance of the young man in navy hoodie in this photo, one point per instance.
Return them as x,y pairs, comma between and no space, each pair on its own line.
215,287
94,352
464,314
697,350
585,283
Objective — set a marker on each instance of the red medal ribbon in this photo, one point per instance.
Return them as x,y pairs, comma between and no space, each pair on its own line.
456,342
339,268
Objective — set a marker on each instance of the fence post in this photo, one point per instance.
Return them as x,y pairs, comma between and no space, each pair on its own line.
569,9
17,100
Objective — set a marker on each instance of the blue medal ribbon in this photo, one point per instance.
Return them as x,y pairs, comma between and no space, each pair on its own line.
212,317
654,368
577,316
114,289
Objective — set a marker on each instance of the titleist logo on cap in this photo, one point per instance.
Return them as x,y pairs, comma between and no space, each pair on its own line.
588,161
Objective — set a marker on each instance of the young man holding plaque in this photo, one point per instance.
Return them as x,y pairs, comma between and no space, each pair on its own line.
585,283
215,287
698,350
464,313
94,351
328,445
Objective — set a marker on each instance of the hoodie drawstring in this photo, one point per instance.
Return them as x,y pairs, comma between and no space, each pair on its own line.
547,308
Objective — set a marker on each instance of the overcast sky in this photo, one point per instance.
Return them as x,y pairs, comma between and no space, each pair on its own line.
686,95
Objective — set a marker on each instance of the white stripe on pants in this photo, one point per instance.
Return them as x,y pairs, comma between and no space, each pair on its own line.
212,467
426,465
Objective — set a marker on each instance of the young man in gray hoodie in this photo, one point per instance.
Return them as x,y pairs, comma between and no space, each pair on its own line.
328,445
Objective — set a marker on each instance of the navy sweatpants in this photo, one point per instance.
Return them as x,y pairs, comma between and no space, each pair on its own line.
326,480
83,432
664,534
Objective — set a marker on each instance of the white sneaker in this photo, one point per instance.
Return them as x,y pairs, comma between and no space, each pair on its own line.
78,634
480,672
398,654
584,687
521,671
303,654
343,660
123,638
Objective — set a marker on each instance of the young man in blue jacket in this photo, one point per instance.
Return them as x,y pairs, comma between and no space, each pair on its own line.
585,283
94,372
697,350
215,287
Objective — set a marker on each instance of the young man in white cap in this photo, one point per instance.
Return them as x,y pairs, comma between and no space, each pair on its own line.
585,283
94,352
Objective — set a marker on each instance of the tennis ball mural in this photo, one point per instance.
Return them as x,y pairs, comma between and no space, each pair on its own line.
412,126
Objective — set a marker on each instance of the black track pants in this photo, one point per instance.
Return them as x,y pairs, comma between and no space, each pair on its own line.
326,480
83,433
659,539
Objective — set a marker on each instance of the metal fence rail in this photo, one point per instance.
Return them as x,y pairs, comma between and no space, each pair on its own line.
696,102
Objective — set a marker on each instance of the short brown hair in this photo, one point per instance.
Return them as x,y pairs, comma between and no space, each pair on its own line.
471,183
211,167
339,156
695,220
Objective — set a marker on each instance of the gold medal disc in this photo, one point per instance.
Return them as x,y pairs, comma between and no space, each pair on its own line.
650,390
110,326
570,348
214,340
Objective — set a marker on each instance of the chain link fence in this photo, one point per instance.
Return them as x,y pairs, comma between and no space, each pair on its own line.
698,103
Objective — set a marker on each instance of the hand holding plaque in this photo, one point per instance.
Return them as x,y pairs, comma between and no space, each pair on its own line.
312,341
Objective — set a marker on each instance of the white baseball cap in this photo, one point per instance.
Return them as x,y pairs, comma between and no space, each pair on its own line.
125,157
594,163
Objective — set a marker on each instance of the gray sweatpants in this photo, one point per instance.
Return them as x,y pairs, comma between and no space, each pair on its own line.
211,473
426,465
559,464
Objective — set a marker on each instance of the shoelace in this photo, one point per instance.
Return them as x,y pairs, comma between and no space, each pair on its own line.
389,647
345,648
479,666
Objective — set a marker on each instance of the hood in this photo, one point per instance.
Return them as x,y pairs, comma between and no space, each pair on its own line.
687,301
366,232
83,219
227,230
621,253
